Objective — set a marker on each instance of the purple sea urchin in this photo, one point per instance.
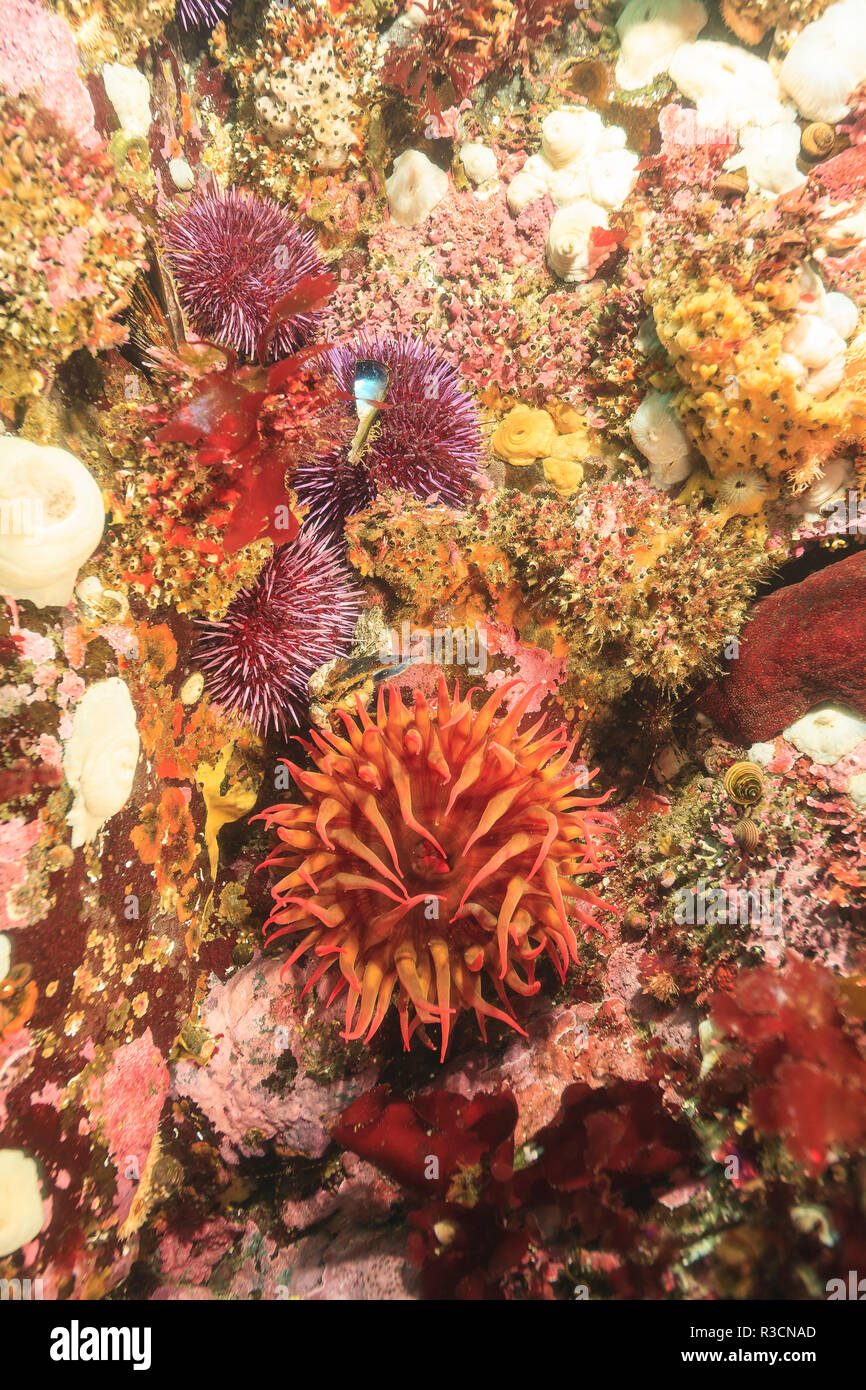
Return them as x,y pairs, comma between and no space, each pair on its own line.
234,256
298,614
333,489
426,440
200,14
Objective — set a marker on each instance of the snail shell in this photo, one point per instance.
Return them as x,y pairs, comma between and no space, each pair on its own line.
746,834
744,783
636,921
731,185
818,140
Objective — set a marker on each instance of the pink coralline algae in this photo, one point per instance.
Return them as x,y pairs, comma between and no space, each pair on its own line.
474,279
692,153
126,1102
256,1086
37,54
802,645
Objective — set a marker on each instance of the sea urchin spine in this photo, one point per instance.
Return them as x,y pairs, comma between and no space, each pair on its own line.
299,613
433,845
235,256
200,14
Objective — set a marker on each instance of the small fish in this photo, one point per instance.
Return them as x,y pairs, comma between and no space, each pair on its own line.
334,686
371,384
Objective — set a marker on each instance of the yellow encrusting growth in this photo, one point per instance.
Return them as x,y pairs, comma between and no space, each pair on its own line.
742,410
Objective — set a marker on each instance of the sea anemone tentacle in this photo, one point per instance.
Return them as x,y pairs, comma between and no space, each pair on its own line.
421,859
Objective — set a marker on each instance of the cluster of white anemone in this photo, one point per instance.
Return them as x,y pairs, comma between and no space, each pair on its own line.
586,171
815,345
735,90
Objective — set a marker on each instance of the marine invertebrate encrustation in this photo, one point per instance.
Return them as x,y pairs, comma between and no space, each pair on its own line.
432,846
51,521
235,256
311,100
66,274
299,613
769,381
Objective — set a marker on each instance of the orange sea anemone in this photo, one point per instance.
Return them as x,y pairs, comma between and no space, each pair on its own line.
433,845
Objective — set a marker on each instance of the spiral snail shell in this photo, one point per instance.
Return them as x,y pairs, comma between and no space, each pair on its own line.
818,140
746,834
744,783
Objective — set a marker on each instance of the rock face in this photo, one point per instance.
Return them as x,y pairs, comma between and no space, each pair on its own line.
801,646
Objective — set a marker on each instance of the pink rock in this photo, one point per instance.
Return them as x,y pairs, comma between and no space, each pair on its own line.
247,1087
126,1102
363,1195
341,1259
574,1042
351,1265
37,53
